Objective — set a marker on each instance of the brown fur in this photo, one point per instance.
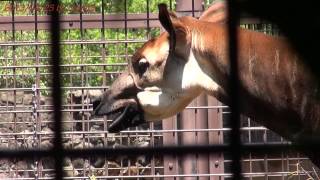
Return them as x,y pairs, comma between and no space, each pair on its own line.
276,87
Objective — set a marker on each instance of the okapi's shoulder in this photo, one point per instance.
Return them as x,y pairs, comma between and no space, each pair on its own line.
272,72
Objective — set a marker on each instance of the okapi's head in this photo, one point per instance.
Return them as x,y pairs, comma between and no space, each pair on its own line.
162,78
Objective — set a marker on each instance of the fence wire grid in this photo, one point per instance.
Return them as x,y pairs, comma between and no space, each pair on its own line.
50,71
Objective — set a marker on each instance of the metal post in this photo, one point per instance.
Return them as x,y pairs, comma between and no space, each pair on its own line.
170,164
202,137
56,87
235,144
216,160
188,121
35,140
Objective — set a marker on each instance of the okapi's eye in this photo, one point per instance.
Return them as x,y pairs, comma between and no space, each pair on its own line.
143,65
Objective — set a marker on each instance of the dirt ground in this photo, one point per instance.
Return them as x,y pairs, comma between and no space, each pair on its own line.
17,131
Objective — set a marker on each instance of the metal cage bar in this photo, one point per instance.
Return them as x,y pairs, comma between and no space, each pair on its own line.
57,150
235,143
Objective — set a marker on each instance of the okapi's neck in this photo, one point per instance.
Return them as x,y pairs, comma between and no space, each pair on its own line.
274,98
208,44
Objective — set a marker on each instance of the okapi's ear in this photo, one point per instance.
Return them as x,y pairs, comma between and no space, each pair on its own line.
169,21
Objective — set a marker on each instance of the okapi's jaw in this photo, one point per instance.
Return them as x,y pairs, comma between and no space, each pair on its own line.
120,103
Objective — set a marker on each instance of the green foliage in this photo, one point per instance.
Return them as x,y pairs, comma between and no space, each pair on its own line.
112,45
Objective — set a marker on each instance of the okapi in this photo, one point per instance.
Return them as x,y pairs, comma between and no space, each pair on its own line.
275,87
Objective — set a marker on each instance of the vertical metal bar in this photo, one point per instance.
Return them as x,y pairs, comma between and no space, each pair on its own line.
35,143
192,5
14,69
129,160
189,8
70,69
216,160
103,58
153,164
56,90
6,57
126,45
298,164
202,138
148,19
75,125
103,37
282,165
82,73
126,28
235,146
188,119
169,161
250,154
287,162
265,159
38,162
14,63
265,163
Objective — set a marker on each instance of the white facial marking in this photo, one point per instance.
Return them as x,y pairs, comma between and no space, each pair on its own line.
194,76
154,101
162,104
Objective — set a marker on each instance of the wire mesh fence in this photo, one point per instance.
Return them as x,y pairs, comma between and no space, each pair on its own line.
95,45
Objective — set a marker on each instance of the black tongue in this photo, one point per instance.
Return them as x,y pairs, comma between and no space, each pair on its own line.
130,117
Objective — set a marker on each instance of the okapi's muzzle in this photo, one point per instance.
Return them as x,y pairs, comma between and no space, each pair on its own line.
120,104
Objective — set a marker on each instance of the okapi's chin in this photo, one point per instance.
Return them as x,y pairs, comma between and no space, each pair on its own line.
131,116
100,109
124,113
